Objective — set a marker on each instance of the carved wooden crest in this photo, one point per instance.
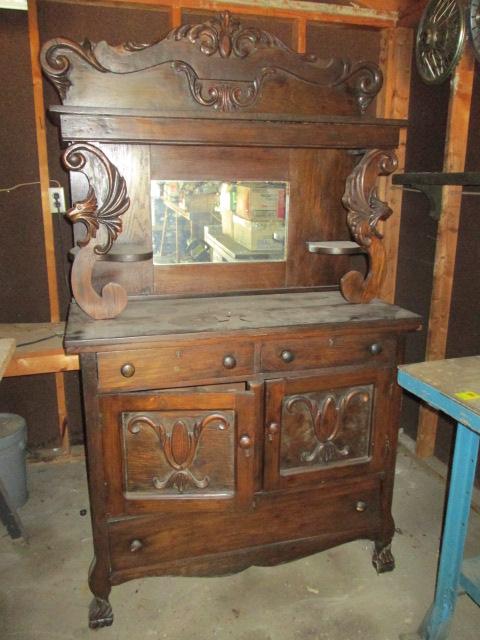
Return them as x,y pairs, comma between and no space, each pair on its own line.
226,66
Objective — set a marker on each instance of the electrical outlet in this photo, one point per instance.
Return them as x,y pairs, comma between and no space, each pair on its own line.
56,197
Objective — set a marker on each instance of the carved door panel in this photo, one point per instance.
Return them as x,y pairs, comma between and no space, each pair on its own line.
190,448
325,427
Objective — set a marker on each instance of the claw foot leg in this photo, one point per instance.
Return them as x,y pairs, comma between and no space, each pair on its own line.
100,614
382,558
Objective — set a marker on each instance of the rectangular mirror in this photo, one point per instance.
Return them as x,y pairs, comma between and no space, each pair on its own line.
215,221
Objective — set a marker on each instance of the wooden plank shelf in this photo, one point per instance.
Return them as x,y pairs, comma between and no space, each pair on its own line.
465,178
431,184
39,349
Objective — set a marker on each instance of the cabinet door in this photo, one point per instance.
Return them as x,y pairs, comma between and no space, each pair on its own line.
190,448
326,427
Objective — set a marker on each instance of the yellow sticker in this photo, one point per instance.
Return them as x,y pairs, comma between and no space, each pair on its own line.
467,395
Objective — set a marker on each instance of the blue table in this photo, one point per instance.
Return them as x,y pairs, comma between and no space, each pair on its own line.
452,386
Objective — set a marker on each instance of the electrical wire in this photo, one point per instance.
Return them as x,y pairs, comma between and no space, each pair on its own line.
26,184
26,344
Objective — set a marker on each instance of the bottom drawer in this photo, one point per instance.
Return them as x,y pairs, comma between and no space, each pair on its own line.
352,508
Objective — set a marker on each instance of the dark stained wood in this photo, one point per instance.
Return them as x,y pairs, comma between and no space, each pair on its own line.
411,179
215,279
265,524
218,163
365,211
204,458
99,575
218,65
169,484
316,213
219,564
220,475
324,351
176,363
331,133
149,320
280,469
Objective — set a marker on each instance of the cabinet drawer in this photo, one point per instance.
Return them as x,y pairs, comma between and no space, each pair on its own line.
166,366
314,352
329,511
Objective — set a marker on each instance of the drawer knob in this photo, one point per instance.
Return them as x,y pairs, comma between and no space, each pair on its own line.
127,370
136,545
375,348
361,506
273,429
229,362
287,356
245,443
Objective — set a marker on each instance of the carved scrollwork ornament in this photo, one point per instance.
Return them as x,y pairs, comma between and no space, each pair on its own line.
56,64
222,95
440,40
106,216
224,35
366,82
365,211
179,445
326,418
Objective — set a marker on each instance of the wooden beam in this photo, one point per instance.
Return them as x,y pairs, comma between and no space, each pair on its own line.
176,15
394,102
301,35
290,9
411,14
43,171
44,177
447,237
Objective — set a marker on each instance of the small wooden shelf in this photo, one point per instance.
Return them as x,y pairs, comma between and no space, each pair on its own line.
335,247
121,253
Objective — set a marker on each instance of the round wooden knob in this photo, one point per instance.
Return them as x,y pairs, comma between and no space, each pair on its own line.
229,362
127,370
136,545
245,442
375,348
287,356
272,430
361,506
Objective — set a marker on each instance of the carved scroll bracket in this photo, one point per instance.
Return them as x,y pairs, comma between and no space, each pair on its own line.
365,210
107,218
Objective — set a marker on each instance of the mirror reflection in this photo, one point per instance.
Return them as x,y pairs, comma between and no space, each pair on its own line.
215,221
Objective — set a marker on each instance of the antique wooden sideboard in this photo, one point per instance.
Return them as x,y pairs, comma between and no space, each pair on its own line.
240,408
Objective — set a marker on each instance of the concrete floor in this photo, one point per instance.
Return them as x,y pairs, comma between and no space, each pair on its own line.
334,595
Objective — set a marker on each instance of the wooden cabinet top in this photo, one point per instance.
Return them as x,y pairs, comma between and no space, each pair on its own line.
149,320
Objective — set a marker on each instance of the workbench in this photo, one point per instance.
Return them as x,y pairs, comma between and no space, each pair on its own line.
39,348
452,386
